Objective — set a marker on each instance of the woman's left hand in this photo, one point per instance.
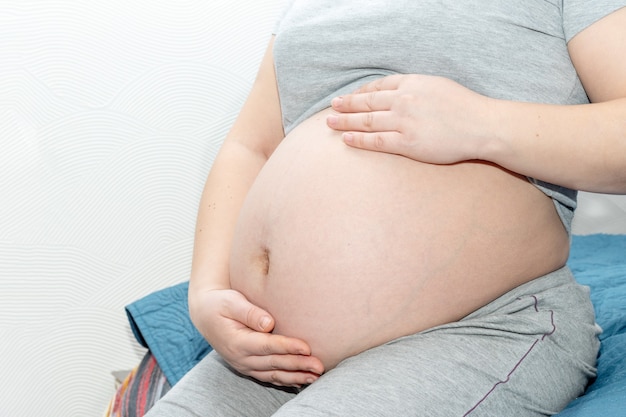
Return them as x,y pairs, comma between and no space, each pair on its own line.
425,118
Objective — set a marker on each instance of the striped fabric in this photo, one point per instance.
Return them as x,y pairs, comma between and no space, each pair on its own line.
139,391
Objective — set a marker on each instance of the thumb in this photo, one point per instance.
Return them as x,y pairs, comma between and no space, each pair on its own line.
260,320
253,316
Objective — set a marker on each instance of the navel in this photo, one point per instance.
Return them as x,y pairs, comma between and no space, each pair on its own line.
263,261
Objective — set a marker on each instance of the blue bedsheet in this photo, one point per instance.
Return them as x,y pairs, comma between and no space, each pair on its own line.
161,323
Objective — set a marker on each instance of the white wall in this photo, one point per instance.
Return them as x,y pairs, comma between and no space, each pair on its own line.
110,115
600,213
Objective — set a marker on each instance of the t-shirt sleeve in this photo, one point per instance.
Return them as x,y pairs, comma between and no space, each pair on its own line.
580,14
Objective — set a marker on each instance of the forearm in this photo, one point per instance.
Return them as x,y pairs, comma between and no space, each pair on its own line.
252,139
231,176
581,147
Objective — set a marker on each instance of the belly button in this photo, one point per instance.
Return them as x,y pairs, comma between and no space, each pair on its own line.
263,262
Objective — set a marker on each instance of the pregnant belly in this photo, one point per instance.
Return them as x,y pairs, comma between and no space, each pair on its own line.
348,249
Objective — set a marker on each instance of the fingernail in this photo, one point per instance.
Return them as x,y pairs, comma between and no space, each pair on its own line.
265,321
348,137
332,120
337,101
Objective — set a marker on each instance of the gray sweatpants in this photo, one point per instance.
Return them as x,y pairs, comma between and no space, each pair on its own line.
528,353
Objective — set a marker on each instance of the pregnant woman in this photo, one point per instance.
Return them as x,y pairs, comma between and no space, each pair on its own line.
385,229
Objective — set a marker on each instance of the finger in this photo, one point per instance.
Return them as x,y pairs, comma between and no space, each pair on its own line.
374,121
264,344
285,378
364,102
291,363
390,82
388,142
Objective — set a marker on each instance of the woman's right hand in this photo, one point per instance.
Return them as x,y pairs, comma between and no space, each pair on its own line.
241,333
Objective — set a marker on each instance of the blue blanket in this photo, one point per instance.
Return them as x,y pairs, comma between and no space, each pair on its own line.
160,322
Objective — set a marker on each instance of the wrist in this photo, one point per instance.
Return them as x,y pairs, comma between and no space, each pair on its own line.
491,142
208,274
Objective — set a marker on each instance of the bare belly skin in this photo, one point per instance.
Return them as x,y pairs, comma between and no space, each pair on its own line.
348,249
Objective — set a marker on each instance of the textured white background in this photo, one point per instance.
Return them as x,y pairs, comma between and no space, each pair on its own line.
110,115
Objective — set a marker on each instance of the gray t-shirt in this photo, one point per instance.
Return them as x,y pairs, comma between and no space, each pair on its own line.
515,50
